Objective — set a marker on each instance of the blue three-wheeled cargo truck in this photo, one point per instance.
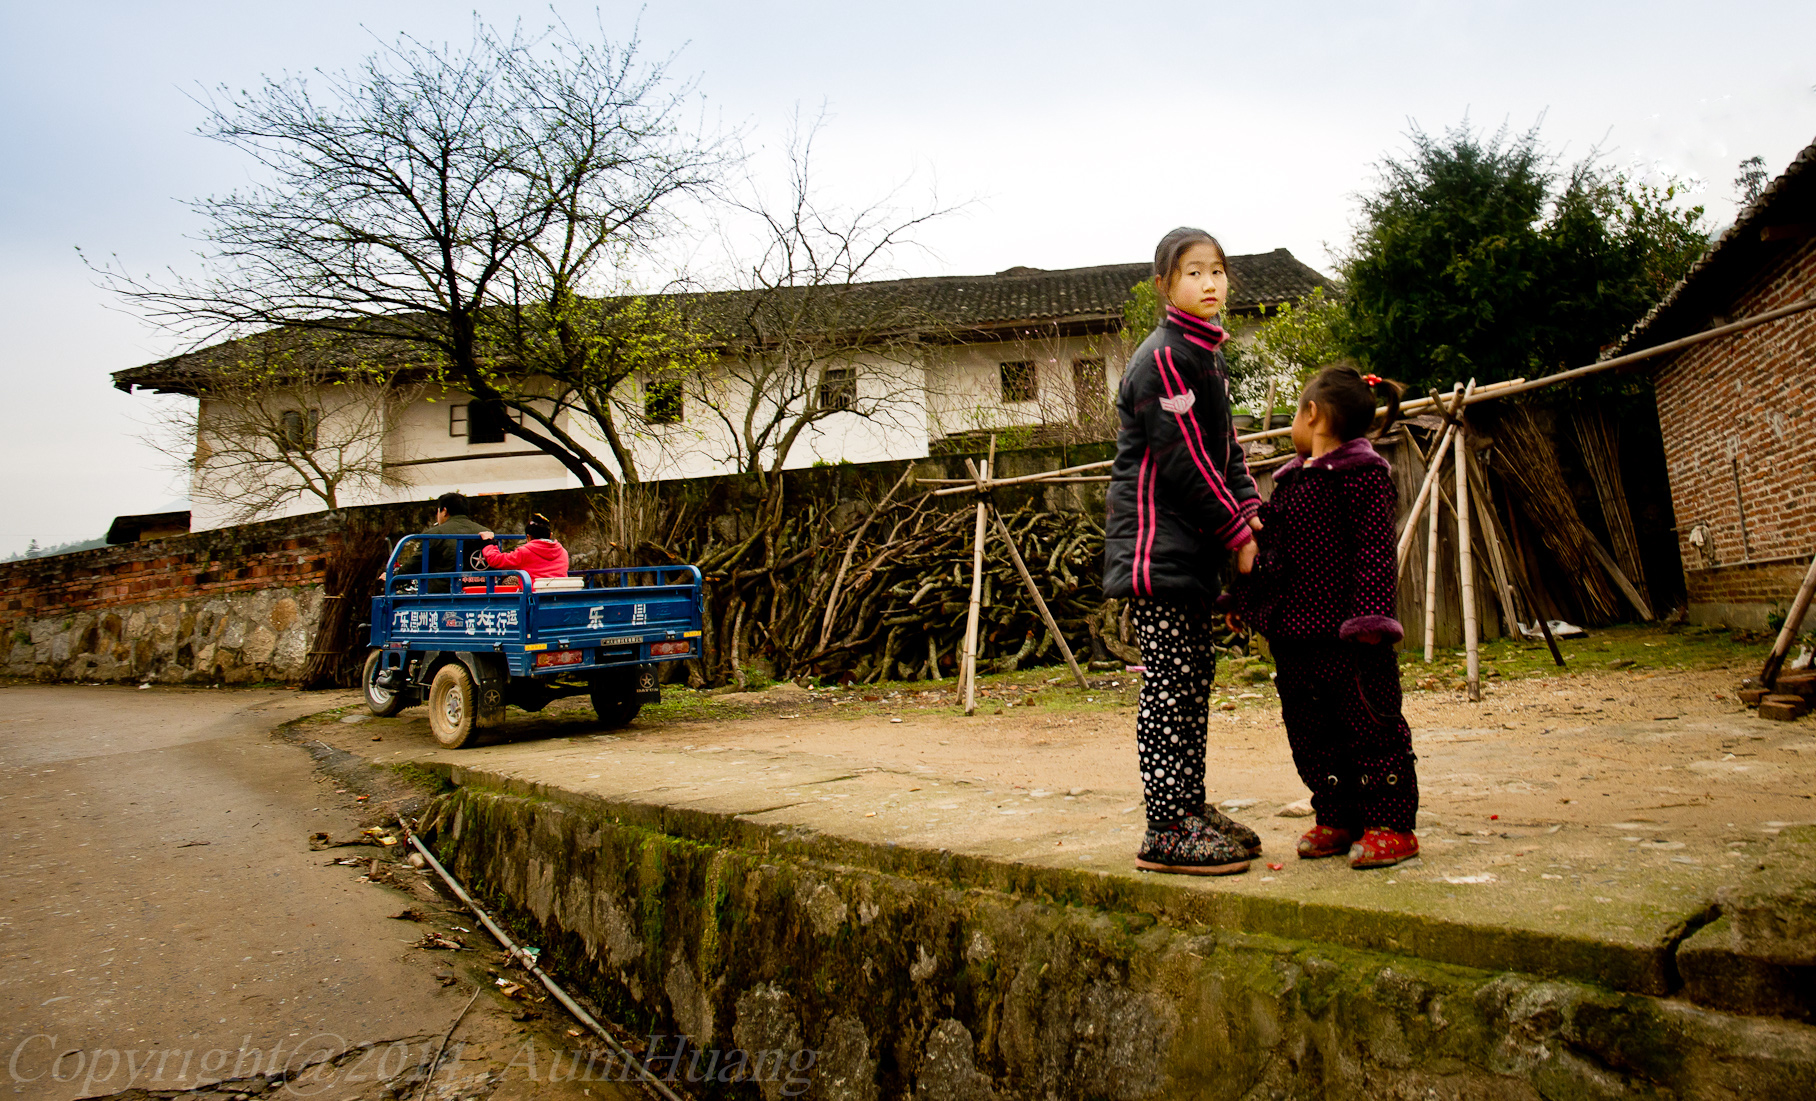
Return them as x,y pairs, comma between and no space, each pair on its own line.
470,640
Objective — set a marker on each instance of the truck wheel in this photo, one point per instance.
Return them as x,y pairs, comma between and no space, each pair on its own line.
612,700
380,701
453,705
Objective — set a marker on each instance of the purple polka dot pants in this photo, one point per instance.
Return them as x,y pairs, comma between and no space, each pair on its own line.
1351,744
1175,640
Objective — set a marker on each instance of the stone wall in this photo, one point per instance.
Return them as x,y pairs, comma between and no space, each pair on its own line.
1741,409
934,976
226,606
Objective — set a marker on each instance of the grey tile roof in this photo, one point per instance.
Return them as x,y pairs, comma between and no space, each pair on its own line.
1035,294
961,303
1722,271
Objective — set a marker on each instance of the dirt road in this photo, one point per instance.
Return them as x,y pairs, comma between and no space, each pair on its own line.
163,922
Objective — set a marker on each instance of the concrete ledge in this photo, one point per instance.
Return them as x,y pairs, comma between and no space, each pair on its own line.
1635,968
913,972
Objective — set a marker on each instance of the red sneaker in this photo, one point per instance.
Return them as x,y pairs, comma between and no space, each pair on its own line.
1380,848
1322,841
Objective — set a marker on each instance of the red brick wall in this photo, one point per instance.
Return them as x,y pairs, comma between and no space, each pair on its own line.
1747,402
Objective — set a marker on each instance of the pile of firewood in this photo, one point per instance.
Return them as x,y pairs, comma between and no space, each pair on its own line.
883,594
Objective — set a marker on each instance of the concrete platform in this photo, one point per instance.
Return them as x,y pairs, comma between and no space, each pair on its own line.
1564,836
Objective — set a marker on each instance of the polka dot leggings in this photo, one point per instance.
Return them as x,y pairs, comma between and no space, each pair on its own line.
1351,744
1175,639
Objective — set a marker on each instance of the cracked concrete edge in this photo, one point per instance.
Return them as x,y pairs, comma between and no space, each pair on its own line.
361,775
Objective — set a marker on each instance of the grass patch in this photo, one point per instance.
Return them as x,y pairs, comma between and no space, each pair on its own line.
1628,647
425,779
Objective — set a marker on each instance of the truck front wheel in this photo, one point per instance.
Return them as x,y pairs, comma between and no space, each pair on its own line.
614,698
453,705
380,701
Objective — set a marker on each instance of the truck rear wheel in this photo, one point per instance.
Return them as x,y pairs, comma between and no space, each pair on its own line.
380,701
614,699
453,706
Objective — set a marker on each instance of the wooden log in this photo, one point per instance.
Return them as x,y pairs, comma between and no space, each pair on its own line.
1793,622
1040,603
832,601
968,667
1466,572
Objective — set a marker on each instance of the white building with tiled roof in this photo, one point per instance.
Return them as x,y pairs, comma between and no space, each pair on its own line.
1023,353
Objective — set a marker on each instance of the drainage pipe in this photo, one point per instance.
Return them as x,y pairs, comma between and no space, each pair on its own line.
529,964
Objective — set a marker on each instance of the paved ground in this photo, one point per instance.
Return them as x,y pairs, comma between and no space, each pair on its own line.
163,921
1602,807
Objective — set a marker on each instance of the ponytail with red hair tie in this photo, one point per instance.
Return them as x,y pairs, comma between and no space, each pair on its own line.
1372,380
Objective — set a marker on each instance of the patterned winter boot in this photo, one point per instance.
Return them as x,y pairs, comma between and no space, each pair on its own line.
1190,847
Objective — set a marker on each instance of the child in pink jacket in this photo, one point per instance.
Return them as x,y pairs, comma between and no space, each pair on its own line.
539,556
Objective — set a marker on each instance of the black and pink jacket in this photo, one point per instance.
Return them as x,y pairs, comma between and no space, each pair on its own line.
1327,567
1180,493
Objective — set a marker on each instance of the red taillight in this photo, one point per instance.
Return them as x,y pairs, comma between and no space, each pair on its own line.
662,649
559,657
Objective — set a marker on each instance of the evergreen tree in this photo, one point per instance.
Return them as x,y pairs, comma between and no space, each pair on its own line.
1477,259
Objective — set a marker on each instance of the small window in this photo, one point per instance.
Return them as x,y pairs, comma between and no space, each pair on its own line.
662,401
838,387
481,421
1018,381
300,429
1089,389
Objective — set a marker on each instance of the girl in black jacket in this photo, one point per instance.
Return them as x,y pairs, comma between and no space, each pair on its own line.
1323,594
1180,501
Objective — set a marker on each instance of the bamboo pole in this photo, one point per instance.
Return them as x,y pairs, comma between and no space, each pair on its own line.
1466,570
1431,585
1497,560
973,486
1040,602
968,667
1793,622
1621,580
1417,405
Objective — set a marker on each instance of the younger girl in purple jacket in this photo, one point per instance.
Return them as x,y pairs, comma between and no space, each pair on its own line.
1322,591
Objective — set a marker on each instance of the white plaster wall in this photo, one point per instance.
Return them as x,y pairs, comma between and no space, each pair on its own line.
965,381
340,407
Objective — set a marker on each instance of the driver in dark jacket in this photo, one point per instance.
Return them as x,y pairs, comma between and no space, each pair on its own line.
450,519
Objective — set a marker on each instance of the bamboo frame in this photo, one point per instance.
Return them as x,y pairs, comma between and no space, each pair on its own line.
1466,571
968,667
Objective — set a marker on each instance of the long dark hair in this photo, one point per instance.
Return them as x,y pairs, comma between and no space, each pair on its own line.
1349,396
1173,246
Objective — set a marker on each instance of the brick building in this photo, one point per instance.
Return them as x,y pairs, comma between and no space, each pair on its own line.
1739,414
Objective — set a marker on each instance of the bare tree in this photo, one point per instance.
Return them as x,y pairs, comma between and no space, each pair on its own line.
277,420
432,188
811,334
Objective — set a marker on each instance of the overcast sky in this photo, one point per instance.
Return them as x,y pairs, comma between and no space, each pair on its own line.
1082,132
